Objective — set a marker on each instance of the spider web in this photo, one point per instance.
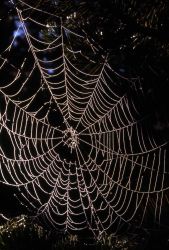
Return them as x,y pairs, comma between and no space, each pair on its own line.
73,140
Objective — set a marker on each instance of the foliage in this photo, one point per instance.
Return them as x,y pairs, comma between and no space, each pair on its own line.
124,242
21,233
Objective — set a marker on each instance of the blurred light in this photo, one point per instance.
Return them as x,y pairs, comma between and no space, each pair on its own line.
18,32
51,71
122,70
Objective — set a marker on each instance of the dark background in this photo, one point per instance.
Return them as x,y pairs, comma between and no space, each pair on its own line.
134,34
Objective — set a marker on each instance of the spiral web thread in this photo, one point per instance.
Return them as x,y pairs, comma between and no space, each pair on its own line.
73,142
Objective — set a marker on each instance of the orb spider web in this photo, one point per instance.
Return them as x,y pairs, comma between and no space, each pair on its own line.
73,138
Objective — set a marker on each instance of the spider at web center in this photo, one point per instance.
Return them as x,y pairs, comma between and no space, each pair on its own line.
70,138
